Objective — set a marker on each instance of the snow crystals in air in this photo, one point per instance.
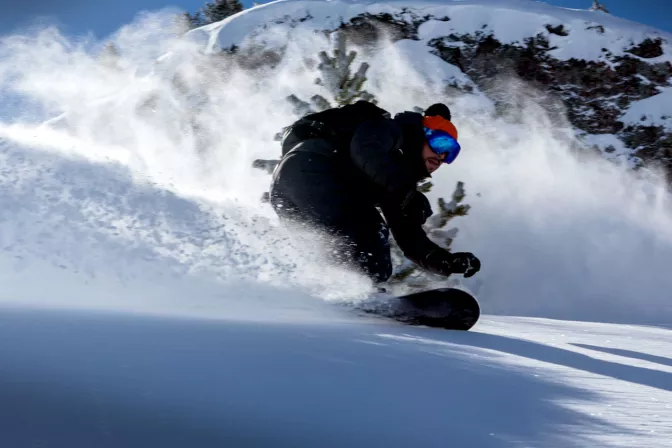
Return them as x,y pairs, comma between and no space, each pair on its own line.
200,323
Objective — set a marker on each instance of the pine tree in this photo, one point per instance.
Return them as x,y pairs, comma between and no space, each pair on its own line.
597,6
336,74
184,22
110,57
336,77
213,12
195,20
408,273
221,9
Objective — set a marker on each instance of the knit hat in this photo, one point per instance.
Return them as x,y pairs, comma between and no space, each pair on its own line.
438,109
437,117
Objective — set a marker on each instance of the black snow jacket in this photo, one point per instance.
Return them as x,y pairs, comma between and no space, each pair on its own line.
386,159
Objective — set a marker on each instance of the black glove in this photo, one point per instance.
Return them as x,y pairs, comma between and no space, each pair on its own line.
415,207
445,263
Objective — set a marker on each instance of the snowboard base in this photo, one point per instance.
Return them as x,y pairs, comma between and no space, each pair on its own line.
448,308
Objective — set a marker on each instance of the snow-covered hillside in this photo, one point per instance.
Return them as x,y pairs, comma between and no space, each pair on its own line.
609,73
148,297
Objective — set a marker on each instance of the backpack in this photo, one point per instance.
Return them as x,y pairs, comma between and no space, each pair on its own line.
337,124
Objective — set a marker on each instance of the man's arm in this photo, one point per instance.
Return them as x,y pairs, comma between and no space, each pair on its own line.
410,236
417,247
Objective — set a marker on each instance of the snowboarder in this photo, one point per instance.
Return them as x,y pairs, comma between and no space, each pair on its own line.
340,165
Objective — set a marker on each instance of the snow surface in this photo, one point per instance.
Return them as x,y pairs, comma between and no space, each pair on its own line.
150,299
653,111
82,379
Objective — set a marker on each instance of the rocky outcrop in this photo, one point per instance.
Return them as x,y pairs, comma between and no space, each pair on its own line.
595,93
366,30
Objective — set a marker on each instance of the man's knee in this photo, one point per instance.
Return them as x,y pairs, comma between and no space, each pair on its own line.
375,255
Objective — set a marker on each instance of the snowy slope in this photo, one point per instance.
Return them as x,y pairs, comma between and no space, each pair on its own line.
149,298
82,379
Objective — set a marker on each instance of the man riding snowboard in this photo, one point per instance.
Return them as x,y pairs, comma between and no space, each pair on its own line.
339,165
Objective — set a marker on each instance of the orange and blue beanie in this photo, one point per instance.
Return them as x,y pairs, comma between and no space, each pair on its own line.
439,123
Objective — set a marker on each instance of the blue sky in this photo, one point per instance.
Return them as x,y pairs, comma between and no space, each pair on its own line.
104,17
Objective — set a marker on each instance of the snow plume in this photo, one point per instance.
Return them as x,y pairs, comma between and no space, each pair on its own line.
561,231
138,190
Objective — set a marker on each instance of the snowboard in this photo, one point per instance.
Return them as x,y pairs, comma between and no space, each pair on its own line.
448,308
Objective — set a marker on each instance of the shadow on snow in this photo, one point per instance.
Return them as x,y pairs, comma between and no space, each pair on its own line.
84,379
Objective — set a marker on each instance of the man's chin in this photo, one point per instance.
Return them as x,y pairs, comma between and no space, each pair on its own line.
431,167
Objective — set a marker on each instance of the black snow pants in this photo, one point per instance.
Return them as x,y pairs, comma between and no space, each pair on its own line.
309,186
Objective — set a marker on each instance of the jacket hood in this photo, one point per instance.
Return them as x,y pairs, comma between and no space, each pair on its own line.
413,141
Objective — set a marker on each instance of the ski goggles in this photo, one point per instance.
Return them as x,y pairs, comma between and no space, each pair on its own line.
442,142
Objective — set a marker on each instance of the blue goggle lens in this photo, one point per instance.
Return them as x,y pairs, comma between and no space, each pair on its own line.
442,143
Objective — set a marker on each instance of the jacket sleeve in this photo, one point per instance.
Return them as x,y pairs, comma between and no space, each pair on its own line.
413,240
375,150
